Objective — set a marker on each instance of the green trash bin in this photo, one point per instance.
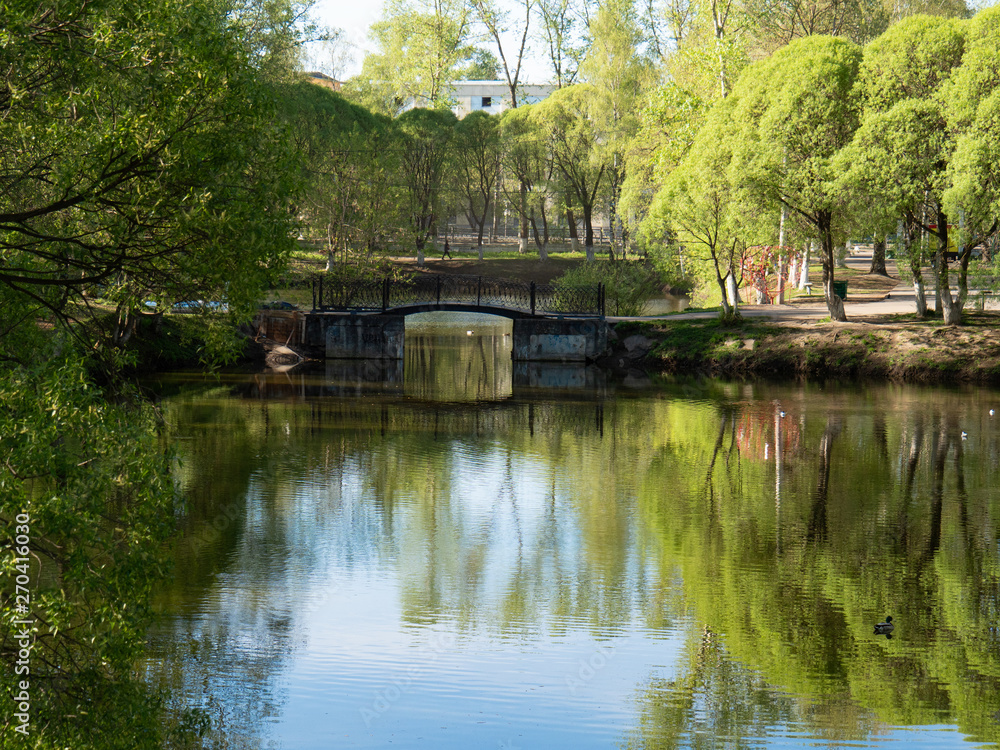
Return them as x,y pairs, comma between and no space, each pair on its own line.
840,289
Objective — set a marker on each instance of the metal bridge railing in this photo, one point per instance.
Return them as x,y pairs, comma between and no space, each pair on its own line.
386,294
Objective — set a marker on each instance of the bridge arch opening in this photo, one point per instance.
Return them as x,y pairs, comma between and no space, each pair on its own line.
458,356
468,323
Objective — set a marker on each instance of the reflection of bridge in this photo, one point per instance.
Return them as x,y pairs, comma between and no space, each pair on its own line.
365,319
428,292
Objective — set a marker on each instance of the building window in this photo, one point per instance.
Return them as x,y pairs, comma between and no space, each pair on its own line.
487,101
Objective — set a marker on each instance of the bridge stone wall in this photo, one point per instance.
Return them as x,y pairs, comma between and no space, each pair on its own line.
558,340
378,337
345,336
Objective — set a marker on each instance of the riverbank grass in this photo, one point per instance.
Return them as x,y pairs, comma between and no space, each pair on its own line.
897,348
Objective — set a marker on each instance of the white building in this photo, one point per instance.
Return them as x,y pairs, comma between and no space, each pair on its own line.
493,97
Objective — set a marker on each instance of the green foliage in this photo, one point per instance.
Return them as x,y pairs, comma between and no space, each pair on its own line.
669,119
527,164
572,138
896,155
793,114
141,155
477,154
350,158
620,76
481,65
561,37
311,110
974,184
629,285
93,479
426,139
143,162
699,204
795,111
422,47
910,61
714,43
972,99
979,74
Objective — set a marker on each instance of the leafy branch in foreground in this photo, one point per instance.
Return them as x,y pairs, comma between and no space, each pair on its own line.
93,482
141,159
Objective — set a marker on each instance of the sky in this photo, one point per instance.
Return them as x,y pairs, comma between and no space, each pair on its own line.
355,16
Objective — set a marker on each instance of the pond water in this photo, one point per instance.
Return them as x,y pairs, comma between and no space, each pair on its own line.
668,303
459,553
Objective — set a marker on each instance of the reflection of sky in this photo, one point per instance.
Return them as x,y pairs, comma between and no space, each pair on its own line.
364,681
378,624
367,673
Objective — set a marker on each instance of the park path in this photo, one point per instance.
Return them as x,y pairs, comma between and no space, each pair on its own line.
900,300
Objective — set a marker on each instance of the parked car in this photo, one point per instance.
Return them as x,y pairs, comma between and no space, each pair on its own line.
199,305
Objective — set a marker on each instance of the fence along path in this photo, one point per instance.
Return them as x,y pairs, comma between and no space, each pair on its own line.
424,292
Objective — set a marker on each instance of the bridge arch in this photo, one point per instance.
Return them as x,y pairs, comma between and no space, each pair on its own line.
365,319
503,312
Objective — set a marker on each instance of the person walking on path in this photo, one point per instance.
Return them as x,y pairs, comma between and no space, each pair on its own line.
447,250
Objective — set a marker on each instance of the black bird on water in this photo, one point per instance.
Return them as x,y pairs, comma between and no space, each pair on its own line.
885,628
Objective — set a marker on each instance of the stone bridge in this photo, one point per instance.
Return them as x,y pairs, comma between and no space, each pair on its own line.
365,319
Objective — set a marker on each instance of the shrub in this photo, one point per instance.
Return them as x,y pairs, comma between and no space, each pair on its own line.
630,285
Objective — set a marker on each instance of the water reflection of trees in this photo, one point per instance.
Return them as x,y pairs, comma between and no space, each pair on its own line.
459,368
880,509
790,536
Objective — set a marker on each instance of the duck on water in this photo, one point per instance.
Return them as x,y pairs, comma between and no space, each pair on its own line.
885,628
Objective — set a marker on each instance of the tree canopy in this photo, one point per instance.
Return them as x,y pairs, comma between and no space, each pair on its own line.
141,157
795,110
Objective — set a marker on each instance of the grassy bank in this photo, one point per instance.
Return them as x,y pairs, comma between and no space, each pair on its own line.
899,348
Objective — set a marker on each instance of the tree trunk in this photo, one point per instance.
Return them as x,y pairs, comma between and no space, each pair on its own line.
727,309
574,239
125,326
331,249
833,303
878,257
920,293
522,244
718,19
963,278
496,204
732,292
541,238
730,312
951,310
781,256
588,228
908,233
